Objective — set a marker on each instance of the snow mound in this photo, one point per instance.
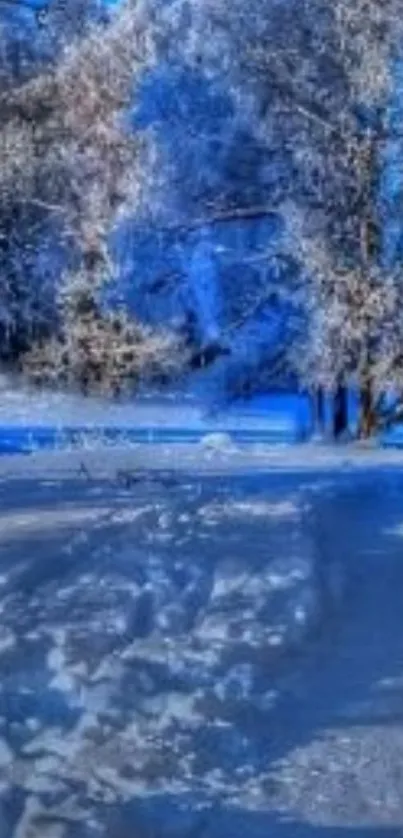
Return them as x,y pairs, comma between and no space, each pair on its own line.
217,442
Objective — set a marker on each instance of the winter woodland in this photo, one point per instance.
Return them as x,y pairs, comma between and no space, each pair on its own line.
192,185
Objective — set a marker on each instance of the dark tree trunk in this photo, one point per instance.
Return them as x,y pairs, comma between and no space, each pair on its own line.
319,411
340,411
368,417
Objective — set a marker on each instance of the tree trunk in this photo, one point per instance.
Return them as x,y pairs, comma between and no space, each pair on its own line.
368,419
340,411
319,411
370,247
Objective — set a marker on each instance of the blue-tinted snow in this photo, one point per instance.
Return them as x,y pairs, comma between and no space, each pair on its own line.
31,419
219,655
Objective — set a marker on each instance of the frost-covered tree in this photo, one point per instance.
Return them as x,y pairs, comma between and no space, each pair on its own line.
62,145
353,299
316,78
352,327
67,156
265,108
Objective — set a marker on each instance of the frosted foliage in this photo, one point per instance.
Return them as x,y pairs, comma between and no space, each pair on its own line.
317,77
354,317
67,157
105,353
309,83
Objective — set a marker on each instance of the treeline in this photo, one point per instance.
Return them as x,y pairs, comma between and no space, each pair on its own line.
282,111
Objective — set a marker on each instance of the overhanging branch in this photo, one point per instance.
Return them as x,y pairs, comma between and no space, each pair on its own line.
225,216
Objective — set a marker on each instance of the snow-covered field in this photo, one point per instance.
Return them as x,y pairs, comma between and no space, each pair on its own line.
32,420
191,648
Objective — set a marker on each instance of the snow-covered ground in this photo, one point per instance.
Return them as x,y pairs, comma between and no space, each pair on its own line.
141,626
32,419
200,641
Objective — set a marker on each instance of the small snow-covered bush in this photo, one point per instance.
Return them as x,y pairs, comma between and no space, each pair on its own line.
107,353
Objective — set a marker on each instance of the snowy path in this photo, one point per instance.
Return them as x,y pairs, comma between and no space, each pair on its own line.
199,656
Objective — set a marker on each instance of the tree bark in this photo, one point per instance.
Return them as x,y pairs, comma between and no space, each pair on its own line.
368,418
340,411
